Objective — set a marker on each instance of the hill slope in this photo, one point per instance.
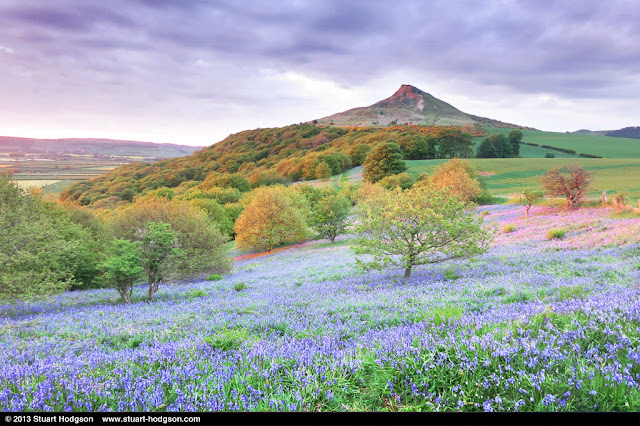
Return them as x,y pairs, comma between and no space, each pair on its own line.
409,104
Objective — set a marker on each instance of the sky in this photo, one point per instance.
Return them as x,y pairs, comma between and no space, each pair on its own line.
194,71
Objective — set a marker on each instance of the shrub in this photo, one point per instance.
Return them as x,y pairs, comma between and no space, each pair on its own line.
549,155
508,228
214,277
240,286
556,233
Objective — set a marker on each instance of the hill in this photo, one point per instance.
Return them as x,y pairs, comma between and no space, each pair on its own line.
106,147
626,132
263,156
410,105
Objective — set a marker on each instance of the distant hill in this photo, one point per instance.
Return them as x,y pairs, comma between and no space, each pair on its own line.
104,147
410,105
627,132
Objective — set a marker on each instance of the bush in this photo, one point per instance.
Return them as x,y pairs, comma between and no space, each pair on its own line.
214,277
549,155
240,286
508,228
556,233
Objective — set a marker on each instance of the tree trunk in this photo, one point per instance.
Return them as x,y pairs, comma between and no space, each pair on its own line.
152,290
407,273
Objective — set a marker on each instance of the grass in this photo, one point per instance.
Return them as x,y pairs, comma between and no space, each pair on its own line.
604,146
556,233
508,176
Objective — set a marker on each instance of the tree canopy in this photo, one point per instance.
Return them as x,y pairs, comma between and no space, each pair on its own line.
418,226
384,160
274,215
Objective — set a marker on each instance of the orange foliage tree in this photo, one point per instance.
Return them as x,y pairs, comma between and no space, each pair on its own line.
274,215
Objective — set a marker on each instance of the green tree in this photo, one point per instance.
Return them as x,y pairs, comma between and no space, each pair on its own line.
203,245
329,217
486,149
528,198
358,153
274,215
515,138
454,143
501,145
384,160
417,226
570,181
159,251
41,249
123,266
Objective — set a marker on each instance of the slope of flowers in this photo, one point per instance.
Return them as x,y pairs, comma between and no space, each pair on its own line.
533,325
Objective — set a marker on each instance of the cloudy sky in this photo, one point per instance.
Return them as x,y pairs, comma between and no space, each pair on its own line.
194,71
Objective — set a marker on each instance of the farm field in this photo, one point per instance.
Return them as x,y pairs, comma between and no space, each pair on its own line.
508,176
532,325
604,146
55,175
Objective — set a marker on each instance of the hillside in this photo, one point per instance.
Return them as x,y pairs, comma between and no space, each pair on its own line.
410,105
262,155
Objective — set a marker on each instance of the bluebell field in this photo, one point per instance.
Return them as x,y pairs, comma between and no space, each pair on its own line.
530,326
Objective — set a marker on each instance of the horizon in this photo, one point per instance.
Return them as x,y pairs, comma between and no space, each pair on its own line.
194,73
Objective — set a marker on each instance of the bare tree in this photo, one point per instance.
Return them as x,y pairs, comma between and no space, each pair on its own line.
570,181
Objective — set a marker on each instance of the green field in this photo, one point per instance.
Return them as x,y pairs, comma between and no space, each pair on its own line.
507,176
604,146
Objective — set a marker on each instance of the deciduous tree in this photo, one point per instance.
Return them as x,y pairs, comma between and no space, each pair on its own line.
417,226
329,217
528,197
159,250
570,181
459,176
123,266
515,138
273,216
384,160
